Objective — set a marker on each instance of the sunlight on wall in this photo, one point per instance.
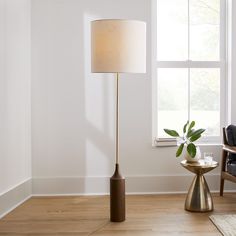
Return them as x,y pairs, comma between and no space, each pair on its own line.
99,96
96,157
99,112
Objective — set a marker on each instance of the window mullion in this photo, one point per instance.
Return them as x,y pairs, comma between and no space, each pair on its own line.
189,60
188,30
188,64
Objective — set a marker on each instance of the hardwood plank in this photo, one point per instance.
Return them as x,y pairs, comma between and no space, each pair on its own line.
146,215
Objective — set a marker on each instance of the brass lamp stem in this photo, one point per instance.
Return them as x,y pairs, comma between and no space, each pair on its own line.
117,118
117,181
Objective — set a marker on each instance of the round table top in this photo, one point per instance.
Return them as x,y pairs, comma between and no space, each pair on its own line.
199,167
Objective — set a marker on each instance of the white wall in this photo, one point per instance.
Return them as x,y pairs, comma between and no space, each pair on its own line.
232,61
73,110
15,98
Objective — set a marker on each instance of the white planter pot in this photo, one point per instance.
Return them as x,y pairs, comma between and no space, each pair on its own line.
188,158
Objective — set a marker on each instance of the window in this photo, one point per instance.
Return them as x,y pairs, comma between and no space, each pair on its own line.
189,65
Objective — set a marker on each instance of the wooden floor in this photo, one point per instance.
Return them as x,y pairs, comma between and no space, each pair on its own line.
146,215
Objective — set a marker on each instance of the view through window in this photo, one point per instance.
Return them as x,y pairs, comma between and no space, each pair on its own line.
190,64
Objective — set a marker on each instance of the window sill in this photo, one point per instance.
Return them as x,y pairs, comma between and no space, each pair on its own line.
169,142
165,142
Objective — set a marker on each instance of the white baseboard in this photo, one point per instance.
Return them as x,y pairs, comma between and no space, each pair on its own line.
134,185
15,197
74,186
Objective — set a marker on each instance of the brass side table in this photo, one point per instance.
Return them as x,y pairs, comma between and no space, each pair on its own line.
199,197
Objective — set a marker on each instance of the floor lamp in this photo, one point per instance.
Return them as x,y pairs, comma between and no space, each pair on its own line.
118,46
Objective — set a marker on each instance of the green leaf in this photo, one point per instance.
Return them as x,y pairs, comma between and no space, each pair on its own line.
191,125
172,133
185,126
197,132
191,148
195,137
180,149
190,133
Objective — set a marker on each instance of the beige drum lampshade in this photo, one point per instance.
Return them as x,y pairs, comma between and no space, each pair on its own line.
118,46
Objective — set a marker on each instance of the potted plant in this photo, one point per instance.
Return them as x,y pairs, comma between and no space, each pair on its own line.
186,141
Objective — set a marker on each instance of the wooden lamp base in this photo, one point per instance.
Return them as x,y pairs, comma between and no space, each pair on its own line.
117,196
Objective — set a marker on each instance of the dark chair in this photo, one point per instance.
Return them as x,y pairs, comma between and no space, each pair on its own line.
228,151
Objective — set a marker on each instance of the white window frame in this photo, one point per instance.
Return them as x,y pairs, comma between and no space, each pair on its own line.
191,64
